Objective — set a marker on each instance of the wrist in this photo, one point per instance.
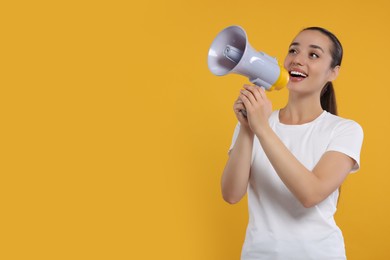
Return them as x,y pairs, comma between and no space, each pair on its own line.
263,131
246,130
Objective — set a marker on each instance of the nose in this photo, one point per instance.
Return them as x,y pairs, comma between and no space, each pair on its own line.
298,60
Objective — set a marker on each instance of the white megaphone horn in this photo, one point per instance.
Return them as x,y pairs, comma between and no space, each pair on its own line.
231,52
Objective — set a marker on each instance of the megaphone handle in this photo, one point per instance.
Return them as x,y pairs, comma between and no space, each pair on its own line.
243,112
260,83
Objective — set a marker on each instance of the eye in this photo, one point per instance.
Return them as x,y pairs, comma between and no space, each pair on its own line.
292,51
314,55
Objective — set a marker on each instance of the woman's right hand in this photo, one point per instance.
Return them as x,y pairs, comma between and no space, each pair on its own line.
239,109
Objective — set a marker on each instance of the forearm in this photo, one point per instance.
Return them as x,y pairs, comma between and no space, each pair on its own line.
236,174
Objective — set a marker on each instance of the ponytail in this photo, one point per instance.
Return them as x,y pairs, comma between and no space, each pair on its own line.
328,98
328,103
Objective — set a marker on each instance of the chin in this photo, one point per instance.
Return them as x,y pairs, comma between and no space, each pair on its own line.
292,86
296,87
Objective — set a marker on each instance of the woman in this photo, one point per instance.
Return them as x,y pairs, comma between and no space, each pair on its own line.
292,161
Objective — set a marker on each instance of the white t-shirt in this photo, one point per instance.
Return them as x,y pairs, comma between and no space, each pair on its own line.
279,226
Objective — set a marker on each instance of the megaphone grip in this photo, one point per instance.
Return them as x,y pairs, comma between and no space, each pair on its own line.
243,112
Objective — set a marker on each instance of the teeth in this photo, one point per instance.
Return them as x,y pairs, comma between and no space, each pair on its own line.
297,73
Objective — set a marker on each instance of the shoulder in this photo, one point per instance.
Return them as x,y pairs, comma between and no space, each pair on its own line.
339,124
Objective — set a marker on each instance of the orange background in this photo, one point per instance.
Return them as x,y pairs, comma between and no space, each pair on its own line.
115,134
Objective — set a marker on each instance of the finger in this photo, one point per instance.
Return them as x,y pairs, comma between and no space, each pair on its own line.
246,102
238,101
262,92
241,100
249,95
255,90
238,107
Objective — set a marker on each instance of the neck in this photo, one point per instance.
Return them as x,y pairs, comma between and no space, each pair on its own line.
300,110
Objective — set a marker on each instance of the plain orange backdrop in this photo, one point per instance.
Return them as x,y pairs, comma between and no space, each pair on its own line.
115,134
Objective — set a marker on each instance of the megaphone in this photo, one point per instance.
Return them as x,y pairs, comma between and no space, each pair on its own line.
231,52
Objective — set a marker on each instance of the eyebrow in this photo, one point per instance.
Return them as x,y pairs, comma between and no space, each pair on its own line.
311,46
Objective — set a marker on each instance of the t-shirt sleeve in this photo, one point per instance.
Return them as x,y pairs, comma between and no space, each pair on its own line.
348,138
234,138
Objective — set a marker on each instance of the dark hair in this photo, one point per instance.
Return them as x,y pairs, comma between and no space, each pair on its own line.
328,96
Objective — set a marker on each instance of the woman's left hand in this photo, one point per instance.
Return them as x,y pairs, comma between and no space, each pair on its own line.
258,107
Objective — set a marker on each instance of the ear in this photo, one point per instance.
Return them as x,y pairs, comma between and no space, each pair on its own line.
334,72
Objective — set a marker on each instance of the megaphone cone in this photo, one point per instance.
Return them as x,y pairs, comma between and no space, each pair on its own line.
231,52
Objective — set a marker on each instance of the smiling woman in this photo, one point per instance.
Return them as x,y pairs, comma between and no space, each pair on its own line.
316,52
292,161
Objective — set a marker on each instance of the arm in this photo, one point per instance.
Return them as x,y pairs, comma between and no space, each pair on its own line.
235,177
309,187
236,174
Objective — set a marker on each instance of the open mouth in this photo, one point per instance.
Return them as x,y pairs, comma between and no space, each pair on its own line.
298,74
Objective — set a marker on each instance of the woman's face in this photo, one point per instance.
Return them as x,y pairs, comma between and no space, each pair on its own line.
308,62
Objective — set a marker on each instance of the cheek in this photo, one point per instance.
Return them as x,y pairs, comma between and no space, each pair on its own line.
319,80
286,62
323,74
